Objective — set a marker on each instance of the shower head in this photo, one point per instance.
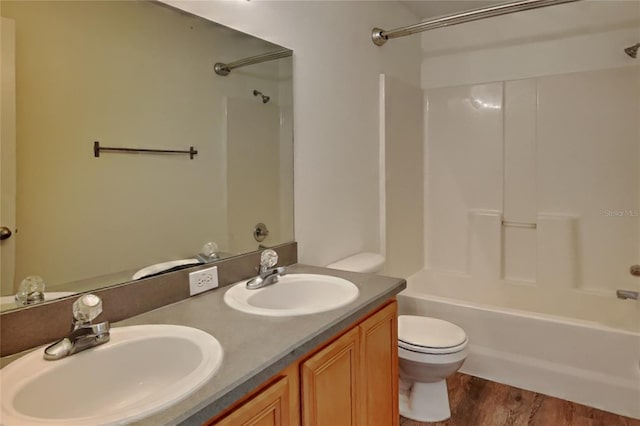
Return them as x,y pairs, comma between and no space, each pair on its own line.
632,50
265,98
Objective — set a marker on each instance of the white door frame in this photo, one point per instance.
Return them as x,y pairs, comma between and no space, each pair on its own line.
8,153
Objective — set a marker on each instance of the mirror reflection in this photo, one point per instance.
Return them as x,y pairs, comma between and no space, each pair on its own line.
79,77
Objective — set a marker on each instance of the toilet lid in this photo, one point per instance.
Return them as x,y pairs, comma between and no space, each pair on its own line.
429,332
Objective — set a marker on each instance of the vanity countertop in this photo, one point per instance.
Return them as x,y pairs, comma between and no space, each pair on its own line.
257,347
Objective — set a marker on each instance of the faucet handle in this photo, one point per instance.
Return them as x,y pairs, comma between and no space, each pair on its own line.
31,290
87,308
268,259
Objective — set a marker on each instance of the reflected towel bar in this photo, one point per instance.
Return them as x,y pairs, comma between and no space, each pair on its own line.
529,225
97,149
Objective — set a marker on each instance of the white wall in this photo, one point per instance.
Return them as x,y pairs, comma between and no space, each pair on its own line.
336,68
580,36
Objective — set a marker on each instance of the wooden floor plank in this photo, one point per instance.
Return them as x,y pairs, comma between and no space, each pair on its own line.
479,402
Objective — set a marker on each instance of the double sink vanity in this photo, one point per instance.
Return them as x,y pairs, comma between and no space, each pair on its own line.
317,347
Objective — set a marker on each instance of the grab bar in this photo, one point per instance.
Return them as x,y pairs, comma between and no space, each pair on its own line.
530,225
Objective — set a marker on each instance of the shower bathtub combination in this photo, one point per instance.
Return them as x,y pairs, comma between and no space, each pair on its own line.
521,224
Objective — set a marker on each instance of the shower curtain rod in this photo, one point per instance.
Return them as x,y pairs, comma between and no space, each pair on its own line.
224,69
380,36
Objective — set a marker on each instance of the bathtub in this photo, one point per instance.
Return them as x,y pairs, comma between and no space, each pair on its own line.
580,361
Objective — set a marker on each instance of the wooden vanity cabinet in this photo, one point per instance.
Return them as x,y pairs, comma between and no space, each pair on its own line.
350,380
269,408
330,380
379,367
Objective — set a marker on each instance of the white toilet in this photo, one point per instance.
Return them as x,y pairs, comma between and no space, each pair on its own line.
429,350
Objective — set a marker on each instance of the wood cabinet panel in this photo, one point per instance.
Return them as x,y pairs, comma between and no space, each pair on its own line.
379,351
331,384
268,408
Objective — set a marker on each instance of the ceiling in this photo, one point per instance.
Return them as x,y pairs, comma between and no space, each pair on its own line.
432,8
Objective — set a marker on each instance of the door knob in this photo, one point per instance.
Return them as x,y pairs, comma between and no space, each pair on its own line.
5,233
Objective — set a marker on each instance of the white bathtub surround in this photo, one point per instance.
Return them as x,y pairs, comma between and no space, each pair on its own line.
533,193
463,165
558,248
520,181
485,244
401,173
579,361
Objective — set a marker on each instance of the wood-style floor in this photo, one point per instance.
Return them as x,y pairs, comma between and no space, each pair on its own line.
479,402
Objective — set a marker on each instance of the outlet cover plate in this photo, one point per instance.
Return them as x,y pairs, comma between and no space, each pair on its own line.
203,280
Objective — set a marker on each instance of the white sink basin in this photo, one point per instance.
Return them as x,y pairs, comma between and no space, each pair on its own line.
294,294
141,370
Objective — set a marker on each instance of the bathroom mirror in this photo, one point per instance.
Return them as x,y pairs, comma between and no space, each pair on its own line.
138,75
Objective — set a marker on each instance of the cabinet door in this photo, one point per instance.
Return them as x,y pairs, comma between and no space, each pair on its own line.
331,384
379,352
268,408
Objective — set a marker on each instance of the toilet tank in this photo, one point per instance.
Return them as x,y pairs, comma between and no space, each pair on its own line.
362,262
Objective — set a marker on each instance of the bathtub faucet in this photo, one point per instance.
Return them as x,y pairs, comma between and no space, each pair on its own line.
627,294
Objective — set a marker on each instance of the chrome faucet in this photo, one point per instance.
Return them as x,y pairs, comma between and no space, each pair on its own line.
84,334
267,274
627,294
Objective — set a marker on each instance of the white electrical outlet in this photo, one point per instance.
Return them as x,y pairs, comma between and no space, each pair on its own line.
203,280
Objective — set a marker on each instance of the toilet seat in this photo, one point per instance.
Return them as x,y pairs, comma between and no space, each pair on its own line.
432,351
430,335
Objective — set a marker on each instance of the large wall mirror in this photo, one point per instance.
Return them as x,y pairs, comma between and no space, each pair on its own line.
136,75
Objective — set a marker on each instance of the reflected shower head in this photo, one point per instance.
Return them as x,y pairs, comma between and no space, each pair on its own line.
265,98
632,50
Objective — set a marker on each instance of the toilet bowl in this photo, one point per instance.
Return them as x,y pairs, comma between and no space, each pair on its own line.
429,351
